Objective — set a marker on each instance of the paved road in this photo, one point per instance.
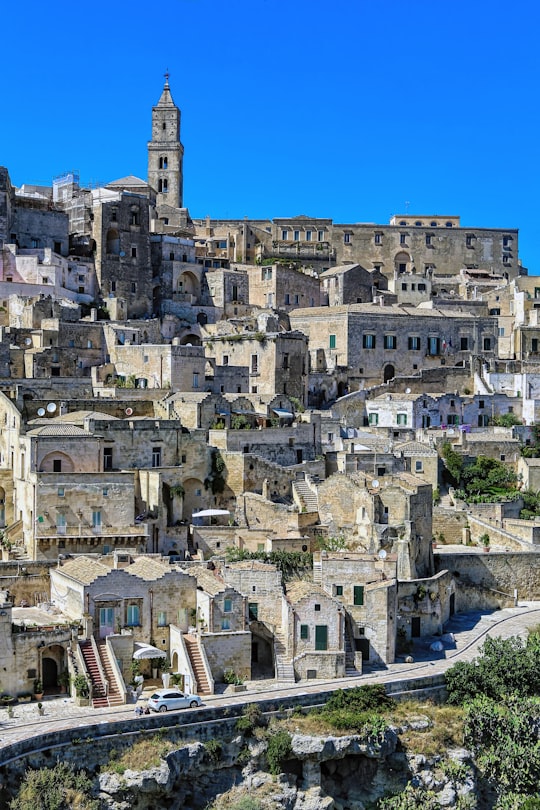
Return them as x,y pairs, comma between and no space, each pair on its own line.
469,630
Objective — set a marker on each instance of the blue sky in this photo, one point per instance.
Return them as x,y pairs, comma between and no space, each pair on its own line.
354,109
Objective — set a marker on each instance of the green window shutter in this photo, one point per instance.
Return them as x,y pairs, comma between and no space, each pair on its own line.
332,341
358,594
303,631
321,637
253,611
339,590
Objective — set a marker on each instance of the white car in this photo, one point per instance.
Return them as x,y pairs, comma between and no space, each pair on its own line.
168,699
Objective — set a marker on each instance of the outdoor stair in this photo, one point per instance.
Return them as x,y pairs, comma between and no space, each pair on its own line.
99,697
307,496
197,665
317,570
350,667
283,662
114,695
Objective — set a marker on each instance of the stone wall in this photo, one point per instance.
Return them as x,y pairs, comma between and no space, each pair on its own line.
487,581
228,651
450,523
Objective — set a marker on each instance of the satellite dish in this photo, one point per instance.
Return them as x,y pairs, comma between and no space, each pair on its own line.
129,411
51,407
407,390
375,483
122,253
450,432
28,341
382,554
389,397
41,412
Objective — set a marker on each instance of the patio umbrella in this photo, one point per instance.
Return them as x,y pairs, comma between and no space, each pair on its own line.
143,651
210,513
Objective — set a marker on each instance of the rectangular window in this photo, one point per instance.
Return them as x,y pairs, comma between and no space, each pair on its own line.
401,418
414,343
358,595
57,465
133,252
296,299
421,287
378,238
320,236
195,379
418,466
225,624
225,360
404,286
60,523
390,341
254,363
434,346
368,341
332,343
304,632
227,606
402,238
284,235
162,618
464,344
487,344
96,518
346,238
156,456
296,236
113,286
534,345
309,236
428,239
107,458
132,616
321,637
374,419
253,611
339,590
60,492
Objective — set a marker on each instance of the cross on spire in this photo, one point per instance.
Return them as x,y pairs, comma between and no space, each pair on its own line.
166,74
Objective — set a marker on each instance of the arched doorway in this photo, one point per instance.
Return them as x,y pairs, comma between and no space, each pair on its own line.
402,261
389,372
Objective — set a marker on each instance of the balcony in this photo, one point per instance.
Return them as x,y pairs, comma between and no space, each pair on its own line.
78,531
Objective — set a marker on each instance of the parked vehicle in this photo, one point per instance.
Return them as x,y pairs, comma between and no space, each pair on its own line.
168,699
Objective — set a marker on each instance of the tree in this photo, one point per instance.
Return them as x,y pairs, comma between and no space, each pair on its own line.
453,461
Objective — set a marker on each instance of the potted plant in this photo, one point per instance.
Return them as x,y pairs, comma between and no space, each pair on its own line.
38,689
166,673
485,540
82,690
63,680
40,709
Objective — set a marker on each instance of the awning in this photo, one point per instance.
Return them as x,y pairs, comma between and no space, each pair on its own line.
210,513
143,651
282,413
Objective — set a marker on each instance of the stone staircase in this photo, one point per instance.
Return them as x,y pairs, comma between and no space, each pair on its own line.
99,697
283,663
308,498
350,666
197,665
114,695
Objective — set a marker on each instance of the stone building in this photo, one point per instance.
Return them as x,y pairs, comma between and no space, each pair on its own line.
372,341
350,284
365,585
278,286
317,626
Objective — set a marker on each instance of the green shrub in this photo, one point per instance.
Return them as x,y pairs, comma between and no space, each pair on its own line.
279,749
213,749
251,719
55,788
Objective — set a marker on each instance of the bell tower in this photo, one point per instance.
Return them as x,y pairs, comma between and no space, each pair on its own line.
165,152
